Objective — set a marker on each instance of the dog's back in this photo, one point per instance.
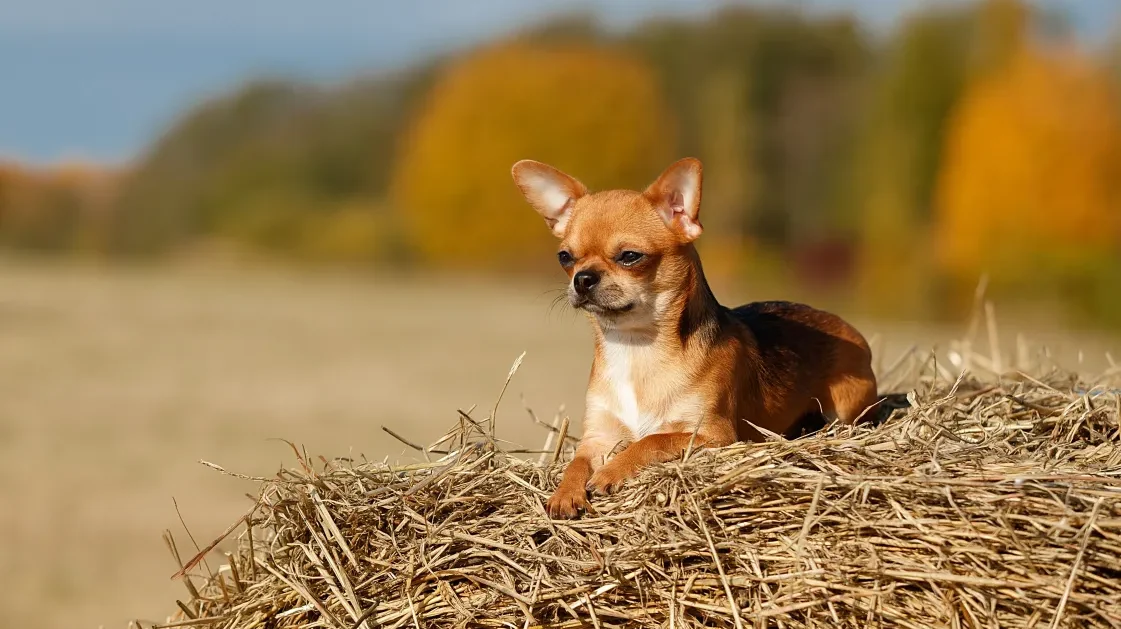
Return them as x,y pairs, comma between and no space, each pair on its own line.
807,362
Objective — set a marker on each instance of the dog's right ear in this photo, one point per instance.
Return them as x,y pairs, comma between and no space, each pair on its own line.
677,196
550,192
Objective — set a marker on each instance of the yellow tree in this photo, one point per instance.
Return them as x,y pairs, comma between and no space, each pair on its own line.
1030,186
595,113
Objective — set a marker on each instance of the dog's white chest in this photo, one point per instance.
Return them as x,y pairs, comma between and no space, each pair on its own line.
635,390
619,361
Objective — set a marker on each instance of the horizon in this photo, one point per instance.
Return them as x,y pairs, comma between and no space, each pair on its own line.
87,86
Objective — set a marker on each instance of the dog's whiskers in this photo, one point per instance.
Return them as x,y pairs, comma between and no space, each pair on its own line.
560,300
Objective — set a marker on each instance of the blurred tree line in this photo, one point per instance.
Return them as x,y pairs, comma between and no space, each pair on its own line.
975,139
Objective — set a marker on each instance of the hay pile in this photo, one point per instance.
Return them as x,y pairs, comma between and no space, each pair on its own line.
987,504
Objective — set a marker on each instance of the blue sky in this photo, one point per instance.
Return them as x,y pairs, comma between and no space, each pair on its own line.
99,79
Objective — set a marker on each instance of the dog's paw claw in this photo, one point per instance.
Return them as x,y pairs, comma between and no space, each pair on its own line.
565,504
606,481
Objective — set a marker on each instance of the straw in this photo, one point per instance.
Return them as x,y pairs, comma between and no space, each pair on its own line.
988,503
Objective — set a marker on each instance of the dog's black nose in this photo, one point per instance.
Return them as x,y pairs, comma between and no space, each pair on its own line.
584,282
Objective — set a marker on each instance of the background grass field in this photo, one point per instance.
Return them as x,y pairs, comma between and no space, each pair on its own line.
115,382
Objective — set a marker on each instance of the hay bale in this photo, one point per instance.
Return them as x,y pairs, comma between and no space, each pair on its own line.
987,504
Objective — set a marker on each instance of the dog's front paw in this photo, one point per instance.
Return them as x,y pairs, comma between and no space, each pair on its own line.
608,479
566,502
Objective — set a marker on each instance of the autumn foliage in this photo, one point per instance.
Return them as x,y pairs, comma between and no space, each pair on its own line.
62,208
1033,158
595,112
1030,188
977,138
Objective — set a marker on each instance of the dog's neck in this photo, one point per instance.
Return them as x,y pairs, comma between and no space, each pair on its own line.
698,317
684,318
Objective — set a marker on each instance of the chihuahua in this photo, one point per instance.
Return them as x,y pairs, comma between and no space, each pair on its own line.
673,368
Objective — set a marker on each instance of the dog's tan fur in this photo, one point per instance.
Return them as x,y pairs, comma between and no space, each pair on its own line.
671,364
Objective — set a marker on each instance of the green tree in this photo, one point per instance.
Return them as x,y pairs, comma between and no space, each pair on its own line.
796,77
269,163
724,139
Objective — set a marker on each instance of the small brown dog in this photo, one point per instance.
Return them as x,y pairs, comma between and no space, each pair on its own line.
672,366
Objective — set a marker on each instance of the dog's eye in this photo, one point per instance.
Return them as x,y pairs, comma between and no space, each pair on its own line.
629,258
565,258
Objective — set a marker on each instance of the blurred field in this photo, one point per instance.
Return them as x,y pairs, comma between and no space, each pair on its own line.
113,383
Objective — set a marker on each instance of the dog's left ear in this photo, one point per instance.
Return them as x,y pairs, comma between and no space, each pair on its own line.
677,196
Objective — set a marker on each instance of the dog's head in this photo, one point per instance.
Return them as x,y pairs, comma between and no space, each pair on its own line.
627,253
